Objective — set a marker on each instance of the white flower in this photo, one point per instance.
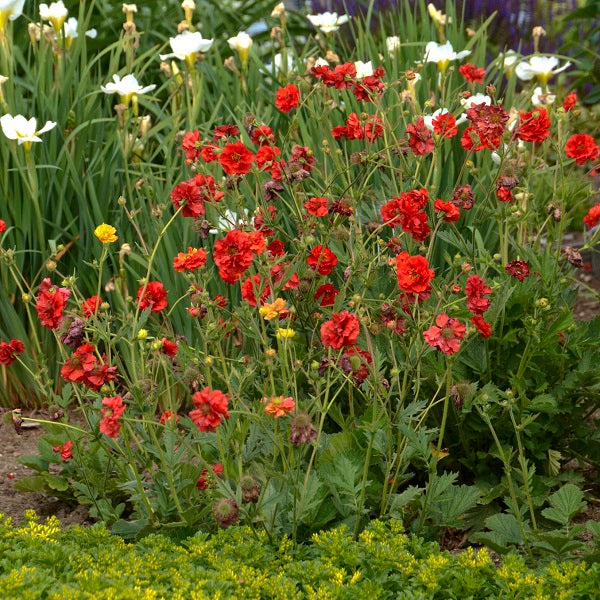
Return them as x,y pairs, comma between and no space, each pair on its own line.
328,22
363,69
241,43
428,120
186,45
321,62
541,67
509,59
475,99
23,130
229,221
11,10
71,32
539,98
56,14
392,44
497,158
126,88
442,54
278,65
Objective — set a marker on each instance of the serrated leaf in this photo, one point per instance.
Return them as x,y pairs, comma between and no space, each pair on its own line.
30,484
400,501
55,482
565,504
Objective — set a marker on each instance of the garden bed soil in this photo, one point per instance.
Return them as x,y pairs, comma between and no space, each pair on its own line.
12,446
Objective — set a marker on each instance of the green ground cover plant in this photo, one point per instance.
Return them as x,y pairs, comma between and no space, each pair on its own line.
299,284
41,561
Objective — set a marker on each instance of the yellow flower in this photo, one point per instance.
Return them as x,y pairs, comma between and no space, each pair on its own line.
285,333
270,311
106,233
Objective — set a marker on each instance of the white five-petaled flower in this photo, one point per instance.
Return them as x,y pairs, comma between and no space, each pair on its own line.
363,69
186,45
56,14
126,88
428,120
508,60
241,43
23,130
475,99
71,32
540,67
328,22
443,54
392,44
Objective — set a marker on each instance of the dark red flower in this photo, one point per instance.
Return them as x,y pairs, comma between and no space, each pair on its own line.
326,293
472,73
191,145
211,407
533,126
420,139
262,135
287,98
236,159
504,194
476,290
110,424
10,350
463,197
341,331
413,273
341,77
322,260
224,131
266,157
153,295
226,511
582,148
484,328
518,269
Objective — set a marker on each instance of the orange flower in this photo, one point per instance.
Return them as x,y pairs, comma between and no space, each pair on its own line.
278,406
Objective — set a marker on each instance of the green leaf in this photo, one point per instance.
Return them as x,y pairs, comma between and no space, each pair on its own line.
55,482
31,484
565,504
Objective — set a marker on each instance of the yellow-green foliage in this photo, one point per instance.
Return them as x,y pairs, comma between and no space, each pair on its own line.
40,560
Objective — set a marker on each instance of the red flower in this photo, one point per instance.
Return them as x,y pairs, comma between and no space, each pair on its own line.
278,406
263,135
476,290
191,145
340,331
471,73
486,129
287,98
51,302
276,248
317,207
446,334
392,319
223,131
10,350
110,424
233,255
391,212
202,482
2,226
570,101
355,362
81,364
326,293
533,126
236,159
211,407
504,194
450,209
210,153
518,269
169,348
153,295
265,157
190,261
484,328
64,450
194,193
420,140
168,415
90,306
304,156
445,125
582,148
322,260
341,77
416,225
253,288
593,216
413,273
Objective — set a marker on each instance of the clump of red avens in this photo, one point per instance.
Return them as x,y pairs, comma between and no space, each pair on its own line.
367,127
488,124
114,408
287,98
235,252
64,450
50,303
472,73
413,273
582,148
152,295
322,260
236,159
226,511
194,193
341,331
476,291
10,350
207,480
518,269
533,126
406,211
211,408
593,216
191,260
302,431
446,334
85,367
420,139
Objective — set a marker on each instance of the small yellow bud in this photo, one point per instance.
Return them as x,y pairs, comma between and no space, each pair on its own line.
142,334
